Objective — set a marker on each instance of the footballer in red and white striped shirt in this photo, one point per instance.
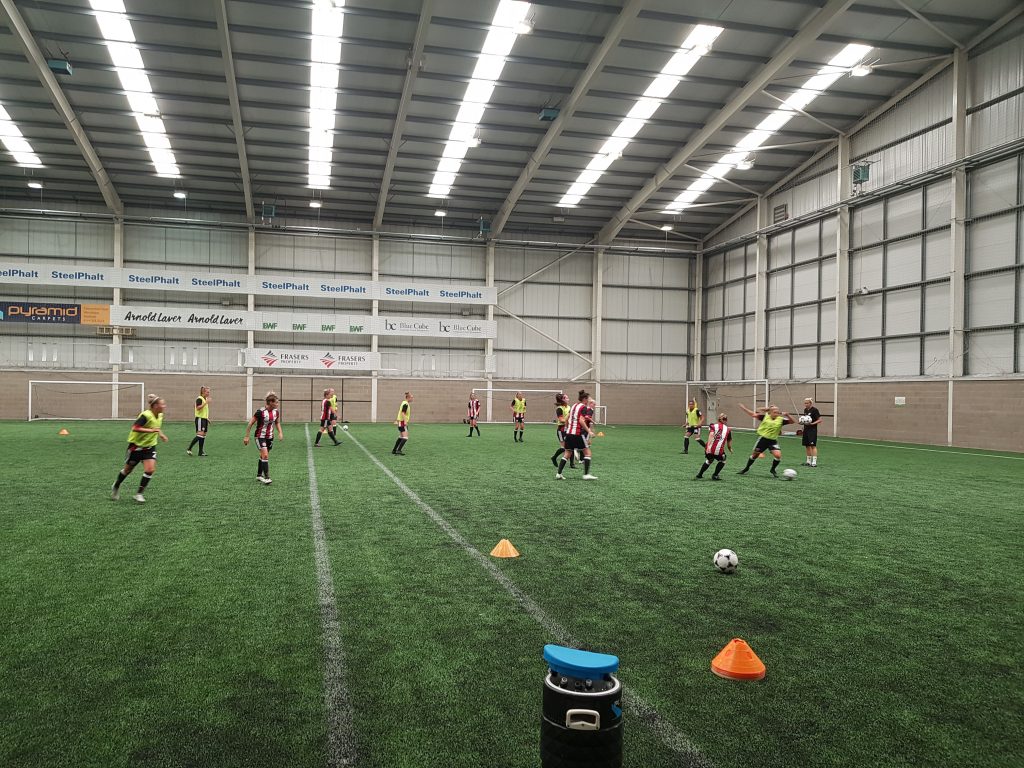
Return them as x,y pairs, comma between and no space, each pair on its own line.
265,419
577,425
473,413
719,439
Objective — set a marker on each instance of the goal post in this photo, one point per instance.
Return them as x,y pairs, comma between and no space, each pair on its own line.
85,400
715,397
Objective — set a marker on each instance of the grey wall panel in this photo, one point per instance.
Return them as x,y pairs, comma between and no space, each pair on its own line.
903,213
903,312
540,299
778,364
996,71
806,242
575,269
865,358
903,357
713,332
990,301
678,273
805,325
938,199
676,306
866,269
829,226
992,243
510,332
780,289
997,124
805,283
713,302
930,104
866,316
805,366
734,298
911,157
780,249
828,277
714,266
735,263
616,303
643,337
936,307
993,188
14,239
867,225
826,361
808,196
743,226
903,262
733,367
779,329
713,369
935,354
991,352
675,339
645,304
732,334
936,255
828,322
615,335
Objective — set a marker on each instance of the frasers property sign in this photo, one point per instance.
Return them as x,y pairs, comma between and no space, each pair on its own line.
311,359
353,325
323,286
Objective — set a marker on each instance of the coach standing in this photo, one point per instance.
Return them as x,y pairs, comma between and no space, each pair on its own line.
810,438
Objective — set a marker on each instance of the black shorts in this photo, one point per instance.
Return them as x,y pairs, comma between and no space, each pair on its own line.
575,443
135,454
325,422
810,437
403,426
519,418
202,425
560,432
265,442
765,444
693,431
715,456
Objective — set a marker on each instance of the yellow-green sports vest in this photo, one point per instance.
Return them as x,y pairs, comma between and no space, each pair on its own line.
693,417
404,411
147,439
202,411
770,428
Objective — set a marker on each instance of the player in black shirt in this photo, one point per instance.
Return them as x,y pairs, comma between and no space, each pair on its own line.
810,437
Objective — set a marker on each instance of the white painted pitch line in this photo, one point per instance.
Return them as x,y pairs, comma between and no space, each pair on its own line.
932,450
341,743
690,755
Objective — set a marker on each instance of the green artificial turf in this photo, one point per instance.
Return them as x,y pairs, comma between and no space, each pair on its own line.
881,589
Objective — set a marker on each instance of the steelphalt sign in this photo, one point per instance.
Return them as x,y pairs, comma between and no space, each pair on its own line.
354,325
325,286
311,359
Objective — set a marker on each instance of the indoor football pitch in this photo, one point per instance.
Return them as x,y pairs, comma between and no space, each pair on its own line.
882,589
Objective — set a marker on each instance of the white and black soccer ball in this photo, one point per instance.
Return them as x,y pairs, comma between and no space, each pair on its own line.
805,419
344,427
726,561
789,474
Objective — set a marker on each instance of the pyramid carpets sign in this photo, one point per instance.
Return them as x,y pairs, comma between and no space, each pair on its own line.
311,359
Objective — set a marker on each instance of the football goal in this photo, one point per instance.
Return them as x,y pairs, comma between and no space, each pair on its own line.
715,397
540,405
80,400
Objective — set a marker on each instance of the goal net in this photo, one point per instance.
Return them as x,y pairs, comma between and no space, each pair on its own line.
715,397
79,400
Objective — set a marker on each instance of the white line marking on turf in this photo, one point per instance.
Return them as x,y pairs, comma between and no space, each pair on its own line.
341,743
669,735
932,450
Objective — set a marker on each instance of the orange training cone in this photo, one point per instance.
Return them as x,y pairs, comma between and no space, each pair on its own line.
504,549
600,434
738,662
63,432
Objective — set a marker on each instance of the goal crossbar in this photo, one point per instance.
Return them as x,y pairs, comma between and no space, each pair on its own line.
759,390
112,387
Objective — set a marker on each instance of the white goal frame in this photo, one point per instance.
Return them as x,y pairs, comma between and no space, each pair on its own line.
600,411
115,387
754,384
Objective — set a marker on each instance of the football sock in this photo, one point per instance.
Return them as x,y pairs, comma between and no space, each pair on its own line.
120,479
554,457
718,468
264,469
703,467
334,438
775,463
477,431
515,436
702,443
202,443
750,463
561,465
401,443
686,444
259,467
586,466
398,443
814,461
318,436
194,441
146,477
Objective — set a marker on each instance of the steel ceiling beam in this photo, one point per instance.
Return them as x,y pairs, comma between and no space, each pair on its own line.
875,114
224,33
806,36
609,44
414,64
60,102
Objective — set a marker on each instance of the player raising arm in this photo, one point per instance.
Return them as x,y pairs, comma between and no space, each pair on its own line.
265,419
768,434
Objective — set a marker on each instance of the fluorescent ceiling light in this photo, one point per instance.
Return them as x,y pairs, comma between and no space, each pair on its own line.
739,157
508,23
181,194
327,22
440,213
860,70
315,204
694,47
35,185
119,37
666,227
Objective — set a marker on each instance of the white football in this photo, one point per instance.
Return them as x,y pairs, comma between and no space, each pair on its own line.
344,427
789,474
805,419
726,561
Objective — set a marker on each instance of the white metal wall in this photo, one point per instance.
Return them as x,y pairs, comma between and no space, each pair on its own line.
728,313
995,264
899,284
648,317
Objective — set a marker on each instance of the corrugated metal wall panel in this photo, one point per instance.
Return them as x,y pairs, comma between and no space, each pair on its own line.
930,104
996,71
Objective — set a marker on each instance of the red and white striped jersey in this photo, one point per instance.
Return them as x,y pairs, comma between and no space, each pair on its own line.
325,409
577,422
718,438
474,408
266,418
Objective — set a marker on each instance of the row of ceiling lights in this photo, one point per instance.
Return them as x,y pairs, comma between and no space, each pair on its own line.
510,21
